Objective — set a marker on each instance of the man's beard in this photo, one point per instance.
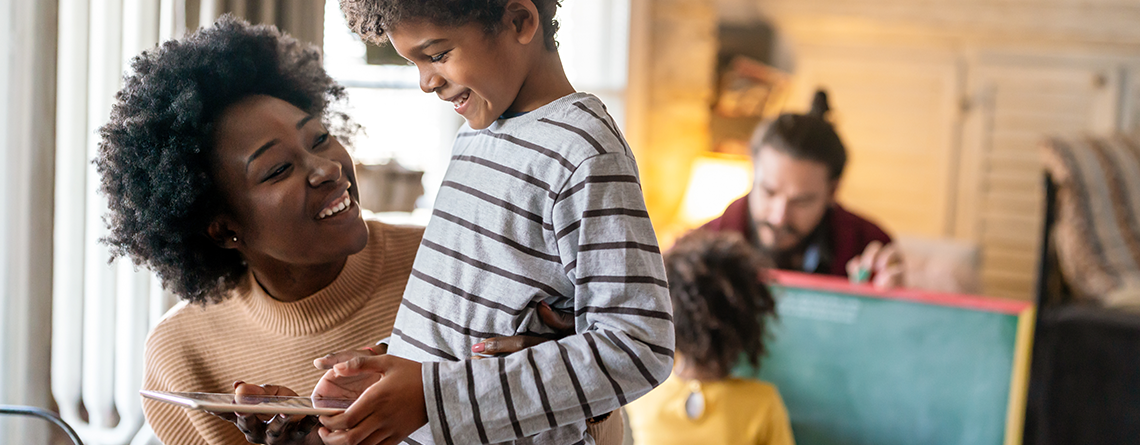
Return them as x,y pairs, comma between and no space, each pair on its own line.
777,234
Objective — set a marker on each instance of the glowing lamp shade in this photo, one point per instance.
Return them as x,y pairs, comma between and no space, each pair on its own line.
715,182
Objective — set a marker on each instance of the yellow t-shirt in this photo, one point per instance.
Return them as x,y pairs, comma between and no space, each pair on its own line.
737,411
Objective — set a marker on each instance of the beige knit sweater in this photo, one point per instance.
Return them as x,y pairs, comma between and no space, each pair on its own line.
253,338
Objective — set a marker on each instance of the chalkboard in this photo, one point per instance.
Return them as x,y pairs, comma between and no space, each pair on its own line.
856,366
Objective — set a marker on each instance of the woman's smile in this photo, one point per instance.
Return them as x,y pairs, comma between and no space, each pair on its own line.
338,206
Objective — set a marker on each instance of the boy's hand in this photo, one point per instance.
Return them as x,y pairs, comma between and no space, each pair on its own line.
386,412
328,361
332,386
335,386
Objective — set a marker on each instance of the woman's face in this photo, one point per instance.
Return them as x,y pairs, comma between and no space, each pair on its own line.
289,187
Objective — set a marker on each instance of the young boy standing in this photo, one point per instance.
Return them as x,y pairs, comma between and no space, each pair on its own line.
541,204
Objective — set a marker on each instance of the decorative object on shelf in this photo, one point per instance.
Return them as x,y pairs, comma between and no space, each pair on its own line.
747,93
749,88
389,187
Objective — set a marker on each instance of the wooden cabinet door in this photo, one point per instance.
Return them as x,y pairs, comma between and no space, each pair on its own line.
1014,102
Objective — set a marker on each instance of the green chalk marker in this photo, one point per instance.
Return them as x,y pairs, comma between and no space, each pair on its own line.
862,276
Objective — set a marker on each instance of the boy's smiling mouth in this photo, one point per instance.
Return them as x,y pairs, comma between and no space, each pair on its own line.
459,100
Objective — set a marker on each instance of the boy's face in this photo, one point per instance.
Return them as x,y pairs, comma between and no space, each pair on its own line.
479,73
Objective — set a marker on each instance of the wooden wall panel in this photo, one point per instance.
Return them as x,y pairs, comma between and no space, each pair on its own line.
897,118
1103,22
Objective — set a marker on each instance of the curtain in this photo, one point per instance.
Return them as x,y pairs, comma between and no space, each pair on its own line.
101,312
27,104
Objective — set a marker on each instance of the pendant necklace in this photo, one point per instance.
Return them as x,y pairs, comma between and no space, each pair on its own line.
695,402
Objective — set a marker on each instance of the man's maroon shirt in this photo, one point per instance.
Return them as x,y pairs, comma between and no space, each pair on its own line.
849,234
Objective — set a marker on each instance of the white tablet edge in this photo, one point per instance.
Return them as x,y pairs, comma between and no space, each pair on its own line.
258,408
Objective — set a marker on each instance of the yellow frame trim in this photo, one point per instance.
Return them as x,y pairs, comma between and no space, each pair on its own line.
1019,380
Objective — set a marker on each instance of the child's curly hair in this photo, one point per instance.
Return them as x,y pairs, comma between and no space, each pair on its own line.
154,154
371,19
720,300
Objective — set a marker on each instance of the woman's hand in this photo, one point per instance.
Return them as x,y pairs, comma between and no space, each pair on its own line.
280,429
389,402
561,322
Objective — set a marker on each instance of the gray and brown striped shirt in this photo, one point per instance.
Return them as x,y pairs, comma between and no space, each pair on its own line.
546,206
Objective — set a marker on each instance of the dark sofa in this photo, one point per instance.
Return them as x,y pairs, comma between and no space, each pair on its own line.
1085,376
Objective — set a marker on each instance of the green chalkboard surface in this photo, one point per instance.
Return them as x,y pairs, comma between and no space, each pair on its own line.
859,367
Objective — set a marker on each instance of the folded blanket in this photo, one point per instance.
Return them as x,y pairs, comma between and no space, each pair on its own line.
1097,227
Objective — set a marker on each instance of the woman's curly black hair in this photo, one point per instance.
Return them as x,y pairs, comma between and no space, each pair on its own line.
154,154
720,300
371,19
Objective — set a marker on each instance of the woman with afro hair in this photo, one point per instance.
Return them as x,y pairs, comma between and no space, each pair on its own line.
225,175
721,307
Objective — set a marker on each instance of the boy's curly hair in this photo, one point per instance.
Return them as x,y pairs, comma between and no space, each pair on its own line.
720,300
154,153
371,19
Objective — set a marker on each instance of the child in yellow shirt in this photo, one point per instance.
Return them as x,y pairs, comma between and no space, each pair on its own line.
720,309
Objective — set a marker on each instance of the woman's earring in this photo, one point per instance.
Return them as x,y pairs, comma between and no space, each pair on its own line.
234,239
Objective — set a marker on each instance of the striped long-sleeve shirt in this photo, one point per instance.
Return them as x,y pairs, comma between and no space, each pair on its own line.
546,206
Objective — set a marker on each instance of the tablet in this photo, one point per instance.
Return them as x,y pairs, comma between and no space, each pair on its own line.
229,403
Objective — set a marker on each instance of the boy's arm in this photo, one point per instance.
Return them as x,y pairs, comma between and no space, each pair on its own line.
624,345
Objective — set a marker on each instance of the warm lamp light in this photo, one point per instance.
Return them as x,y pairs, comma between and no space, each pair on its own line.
715,182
